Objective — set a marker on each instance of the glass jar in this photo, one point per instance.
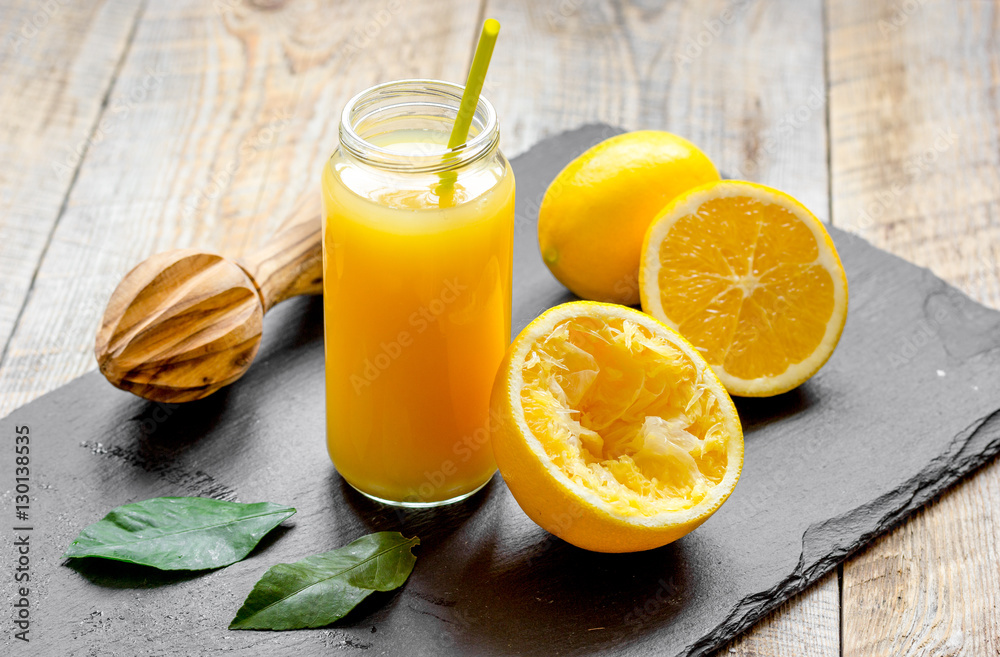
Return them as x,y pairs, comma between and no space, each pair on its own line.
417,254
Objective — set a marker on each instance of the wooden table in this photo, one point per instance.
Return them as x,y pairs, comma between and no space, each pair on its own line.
132,126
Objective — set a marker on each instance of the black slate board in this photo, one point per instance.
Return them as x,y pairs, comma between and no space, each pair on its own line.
907,405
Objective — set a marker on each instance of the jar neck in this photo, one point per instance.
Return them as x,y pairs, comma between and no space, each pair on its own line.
415,105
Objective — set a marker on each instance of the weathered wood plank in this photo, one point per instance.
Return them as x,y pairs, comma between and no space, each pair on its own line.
914,165
222,115
743,80
930,587
57,61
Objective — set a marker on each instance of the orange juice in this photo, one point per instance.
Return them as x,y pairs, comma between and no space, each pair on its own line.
417,303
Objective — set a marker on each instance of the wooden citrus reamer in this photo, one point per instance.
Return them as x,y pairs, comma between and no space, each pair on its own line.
186,322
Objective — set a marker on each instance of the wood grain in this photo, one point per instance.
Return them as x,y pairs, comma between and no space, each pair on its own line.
290,262
752,97
914,161
220,118
744,81
184,323
181,325
57,62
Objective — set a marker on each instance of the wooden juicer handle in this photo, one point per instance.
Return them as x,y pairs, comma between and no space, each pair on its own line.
184,323
290,264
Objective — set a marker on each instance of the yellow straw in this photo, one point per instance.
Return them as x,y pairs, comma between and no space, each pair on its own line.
470,97
474,85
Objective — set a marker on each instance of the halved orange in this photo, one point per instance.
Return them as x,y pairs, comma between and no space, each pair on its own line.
751,278
611,431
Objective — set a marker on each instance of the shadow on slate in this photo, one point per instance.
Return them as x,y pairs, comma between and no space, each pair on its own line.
906,406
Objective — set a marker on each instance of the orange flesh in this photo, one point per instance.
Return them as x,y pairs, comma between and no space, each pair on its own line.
750,275
625,414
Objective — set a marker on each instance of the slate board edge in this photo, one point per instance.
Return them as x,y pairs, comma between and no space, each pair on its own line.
888,512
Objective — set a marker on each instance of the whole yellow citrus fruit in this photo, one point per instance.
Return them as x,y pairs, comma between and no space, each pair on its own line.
752,279
595,213
611,431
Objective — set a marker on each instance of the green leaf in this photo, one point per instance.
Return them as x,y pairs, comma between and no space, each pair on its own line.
322,588
179,533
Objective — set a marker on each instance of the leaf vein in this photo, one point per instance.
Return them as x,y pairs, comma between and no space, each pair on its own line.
409,543
187,531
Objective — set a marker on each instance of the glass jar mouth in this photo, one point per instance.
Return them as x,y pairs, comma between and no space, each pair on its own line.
415,104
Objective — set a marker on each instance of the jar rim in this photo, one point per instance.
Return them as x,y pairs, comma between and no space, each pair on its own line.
448,95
